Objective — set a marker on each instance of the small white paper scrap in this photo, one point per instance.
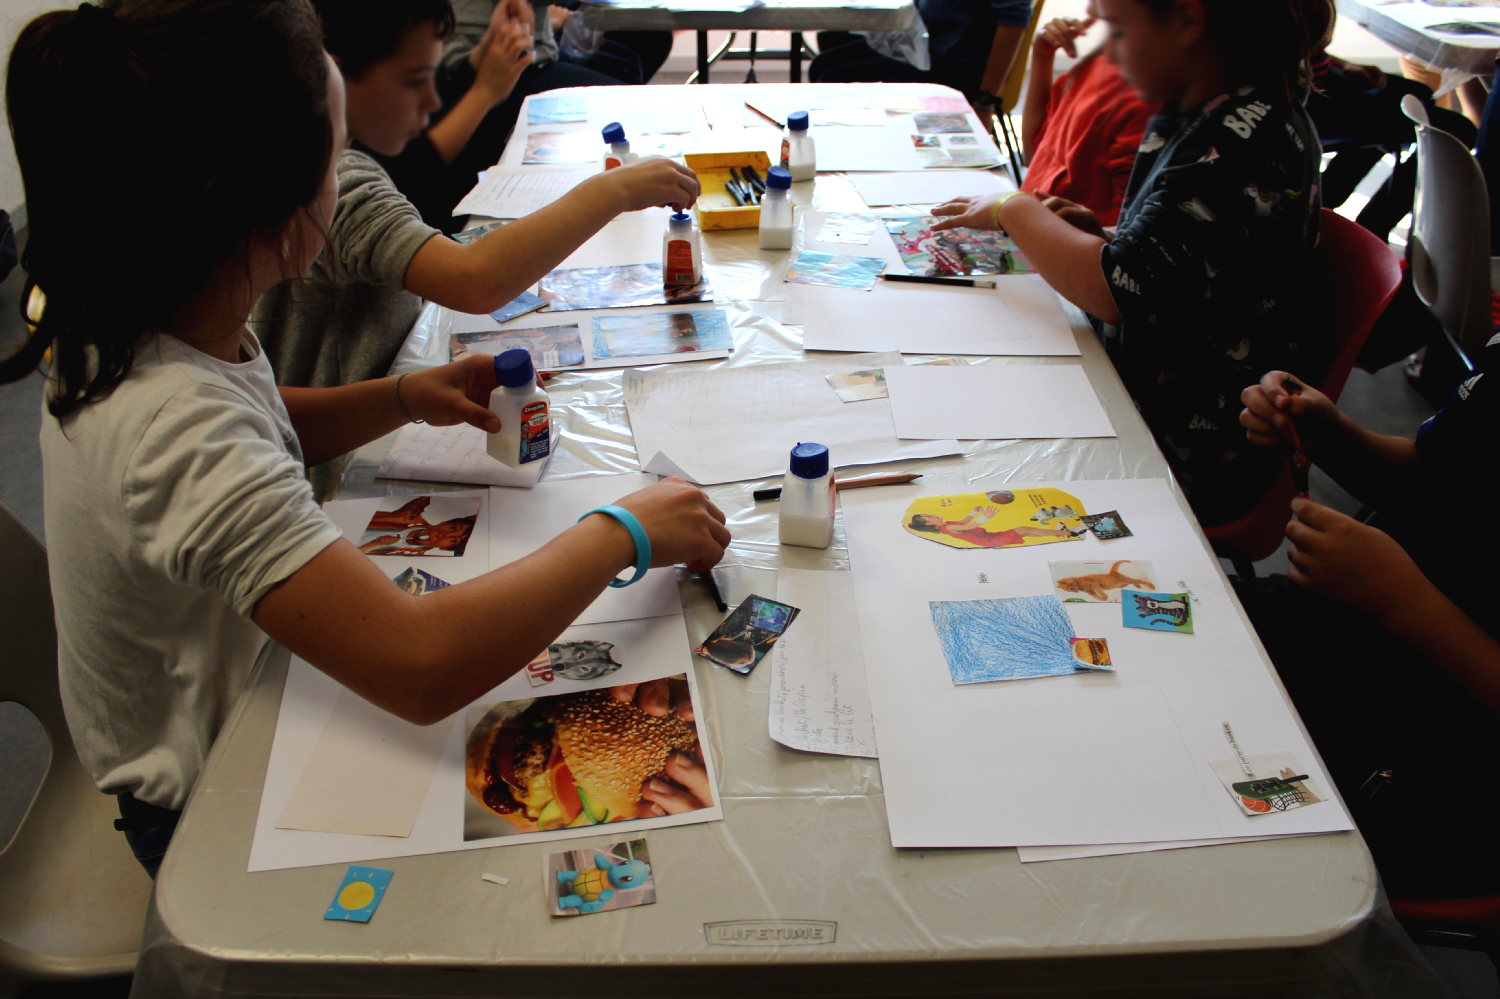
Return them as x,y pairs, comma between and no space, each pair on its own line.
494,879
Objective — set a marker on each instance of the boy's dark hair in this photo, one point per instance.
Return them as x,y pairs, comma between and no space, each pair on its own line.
360,33
1267,42
157,139
917,525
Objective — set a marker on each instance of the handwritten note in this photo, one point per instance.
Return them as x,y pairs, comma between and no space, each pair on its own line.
453,454
511,194
819,701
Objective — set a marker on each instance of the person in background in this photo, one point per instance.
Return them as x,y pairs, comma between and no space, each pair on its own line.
1204,282
182,532
971,45
346,318
1081,133
1385,633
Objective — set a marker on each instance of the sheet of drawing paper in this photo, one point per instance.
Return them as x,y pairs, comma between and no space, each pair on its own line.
995,402
1038,854
1019,317
353,518
522,522
511,194
426,453
731,424
818,225
1089,758
851,149
922,187
647,649
819,701
355,784
583,319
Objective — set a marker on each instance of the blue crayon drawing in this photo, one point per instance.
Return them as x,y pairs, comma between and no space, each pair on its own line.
1009,639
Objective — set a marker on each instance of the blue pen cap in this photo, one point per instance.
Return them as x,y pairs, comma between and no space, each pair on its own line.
809,461
779,179
797,121
614,132
680,220
513,367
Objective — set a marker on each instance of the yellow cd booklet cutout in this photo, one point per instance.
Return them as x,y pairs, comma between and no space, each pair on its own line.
998,518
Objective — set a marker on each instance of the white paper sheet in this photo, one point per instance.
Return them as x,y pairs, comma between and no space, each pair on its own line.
741,423
1041,854
995,402
1019,317
511,194
353,783
651,648
843,148
525,521
1091,758
455,454
819,701
924,187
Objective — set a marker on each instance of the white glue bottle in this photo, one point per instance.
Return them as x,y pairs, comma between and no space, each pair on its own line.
776,216
807,498
525,419
681,251
798,156
618,153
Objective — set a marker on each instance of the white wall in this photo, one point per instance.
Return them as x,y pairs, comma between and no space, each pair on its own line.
14,14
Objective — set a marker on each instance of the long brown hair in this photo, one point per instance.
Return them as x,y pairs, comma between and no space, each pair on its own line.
156,140
1267,42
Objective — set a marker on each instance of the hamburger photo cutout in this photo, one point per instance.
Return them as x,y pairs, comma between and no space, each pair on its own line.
566,761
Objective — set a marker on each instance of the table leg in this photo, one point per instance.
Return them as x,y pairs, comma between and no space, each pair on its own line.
795,69
702,57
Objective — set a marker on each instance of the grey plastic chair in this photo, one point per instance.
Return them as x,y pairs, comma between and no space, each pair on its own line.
72,897
1449,248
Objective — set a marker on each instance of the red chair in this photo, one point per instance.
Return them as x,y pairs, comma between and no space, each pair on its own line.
1468,923
1360,277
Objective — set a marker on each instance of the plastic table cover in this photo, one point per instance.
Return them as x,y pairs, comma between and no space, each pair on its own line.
798,892
775,15
1459,56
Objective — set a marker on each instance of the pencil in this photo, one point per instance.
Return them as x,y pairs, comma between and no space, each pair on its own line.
924,279
869,480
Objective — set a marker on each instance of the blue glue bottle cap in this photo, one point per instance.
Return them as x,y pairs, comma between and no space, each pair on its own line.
513,367
809,461
797,121
614,132
779,179
680,220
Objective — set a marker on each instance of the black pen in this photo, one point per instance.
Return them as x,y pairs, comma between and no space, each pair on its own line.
713,591
924,279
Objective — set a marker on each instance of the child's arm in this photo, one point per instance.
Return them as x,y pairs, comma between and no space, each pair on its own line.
423,658
1003,48
332,421
1365,463
504,53
1064,255
1358,565
1059,33
482,276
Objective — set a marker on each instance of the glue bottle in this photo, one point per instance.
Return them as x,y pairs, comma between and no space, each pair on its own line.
681,251
807,498
525,420
618,154
776,215
798,156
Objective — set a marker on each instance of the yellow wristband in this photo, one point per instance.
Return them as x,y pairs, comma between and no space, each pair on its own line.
1000,201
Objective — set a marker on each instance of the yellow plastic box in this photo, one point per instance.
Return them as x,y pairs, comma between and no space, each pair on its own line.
716,209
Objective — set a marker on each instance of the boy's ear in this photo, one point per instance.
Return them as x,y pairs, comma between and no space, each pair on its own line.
1191,22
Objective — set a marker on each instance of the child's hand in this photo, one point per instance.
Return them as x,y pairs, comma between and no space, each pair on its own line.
1060,33
977,212
683,525
1078,216
506,54
1350,562
657,698
454,393
1270,406
653,181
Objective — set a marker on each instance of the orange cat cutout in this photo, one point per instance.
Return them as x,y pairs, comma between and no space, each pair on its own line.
1098,584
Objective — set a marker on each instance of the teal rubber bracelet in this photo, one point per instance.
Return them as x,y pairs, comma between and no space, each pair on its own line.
637,534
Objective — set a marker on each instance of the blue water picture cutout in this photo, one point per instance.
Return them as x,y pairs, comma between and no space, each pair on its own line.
1009,639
